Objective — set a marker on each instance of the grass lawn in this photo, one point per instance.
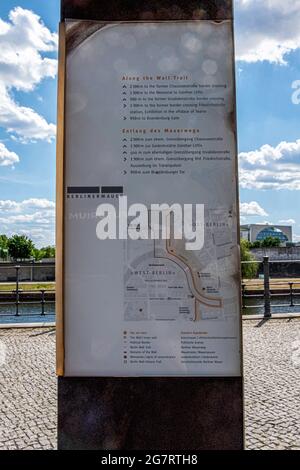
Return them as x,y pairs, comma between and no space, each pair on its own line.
253,284
283,283
29,286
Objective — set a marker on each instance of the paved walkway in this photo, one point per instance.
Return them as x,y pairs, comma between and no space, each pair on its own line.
27,389
272,386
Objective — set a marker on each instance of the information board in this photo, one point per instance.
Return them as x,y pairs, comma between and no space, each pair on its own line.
149,113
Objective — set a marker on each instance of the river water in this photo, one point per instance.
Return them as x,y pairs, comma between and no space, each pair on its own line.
278,305
32,313
27,313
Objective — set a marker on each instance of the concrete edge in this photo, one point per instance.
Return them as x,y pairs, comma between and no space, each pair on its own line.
27,325
275,316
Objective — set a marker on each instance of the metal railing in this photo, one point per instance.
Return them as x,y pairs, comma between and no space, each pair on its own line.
266,290
19,297
269,289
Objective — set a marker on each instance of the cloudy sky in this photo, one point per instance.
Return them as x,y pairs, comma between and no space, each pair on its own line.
268,80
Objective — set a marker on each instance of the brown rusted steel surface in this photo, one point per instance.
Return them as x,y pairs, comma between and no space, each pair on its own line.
133,10
150,413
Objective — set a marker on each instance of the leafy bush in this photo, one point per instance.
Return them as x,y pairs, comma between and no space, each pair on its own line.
249,270
20,247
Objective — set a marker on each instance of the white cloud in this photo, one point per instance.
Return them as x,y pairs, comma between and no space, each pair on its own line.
23,122
252,208
7,158
38,203
21,41
271,167
40,236
24,40
267,29
41,218
33,217
287,221
7,205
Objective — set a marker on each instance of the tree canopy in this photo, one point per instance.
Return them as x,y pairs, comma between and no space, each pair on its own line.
267,242
21,247
3,246
249,269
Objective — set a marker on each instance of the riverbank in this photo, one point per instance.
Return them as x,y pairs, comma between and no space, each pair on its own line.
280,284
253,284
27,286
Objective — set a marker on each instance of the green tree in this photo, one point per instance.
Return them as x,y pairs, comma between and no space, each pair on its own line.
249,270
270,242
37,254
48,252
3,246
256,244
20,247
45,252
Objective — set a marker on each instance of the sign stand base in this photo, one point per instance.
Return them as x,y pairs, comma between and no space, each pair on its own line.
169,414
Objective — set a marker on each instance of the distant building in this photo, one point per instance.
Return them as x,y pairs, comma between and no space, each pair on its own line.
258,232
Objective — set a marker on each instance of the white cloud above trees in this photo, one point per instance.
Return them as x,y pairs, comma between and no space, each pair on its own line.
252,209
8,205
34,217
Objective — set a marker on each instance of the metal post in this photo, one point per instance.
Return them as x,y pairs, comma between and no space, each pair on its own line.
243,296
32,270
17,290
291,295
43,301
267,296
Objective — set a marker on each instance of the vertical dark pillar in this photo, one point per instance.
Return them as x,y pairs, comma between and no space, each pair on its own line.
267,295
150,413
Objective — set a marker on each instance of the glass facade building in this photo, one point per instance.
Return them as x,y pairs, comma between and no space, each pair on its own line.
259,232
271,232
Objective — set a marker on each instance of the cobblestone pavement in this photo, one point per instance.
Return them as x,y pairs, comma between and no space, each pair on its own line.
27,389
272,386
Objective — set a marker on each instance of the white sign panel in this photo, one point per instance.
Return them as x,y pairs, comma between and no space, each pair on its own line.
149,115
